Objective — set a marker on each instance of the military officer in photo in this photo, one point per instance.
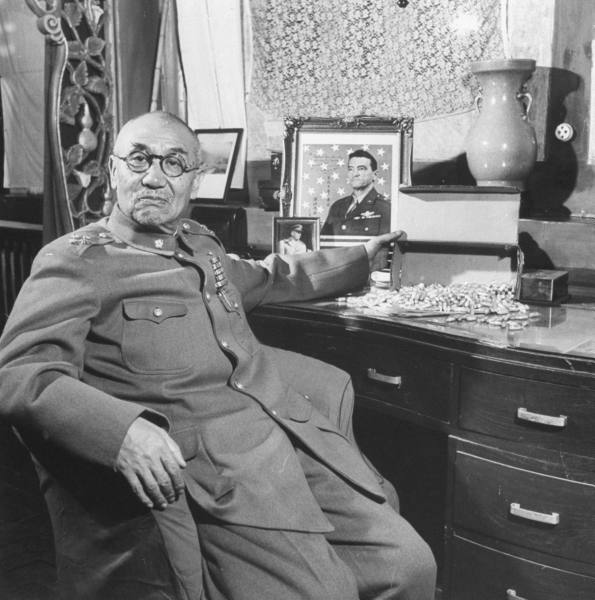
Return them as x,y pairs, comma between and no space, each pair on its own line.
293,244
365,211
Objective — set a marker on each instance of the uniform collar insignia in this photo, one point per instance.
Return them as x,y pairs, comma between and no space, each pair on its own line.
156,241
94,234
188,226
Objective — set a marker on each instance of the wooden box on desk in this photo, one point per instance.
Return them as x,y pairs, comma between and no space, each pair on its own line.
544,286
457,234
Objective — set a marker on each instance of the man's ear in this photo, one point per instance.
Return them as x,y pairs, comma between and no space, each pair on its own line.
112,172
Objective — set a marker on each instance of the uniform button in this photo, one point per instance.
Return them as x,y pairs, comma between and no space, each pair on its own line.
239,385
157,312
343,227
365,228
207,296
274,413
236,305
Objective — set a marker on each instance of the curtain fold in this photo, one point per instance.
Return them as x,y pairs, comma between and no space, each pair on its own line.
21,80
211,46
169,89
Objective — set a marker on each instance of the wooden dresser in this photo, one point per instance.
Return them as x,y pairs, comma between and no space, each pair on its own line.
487,434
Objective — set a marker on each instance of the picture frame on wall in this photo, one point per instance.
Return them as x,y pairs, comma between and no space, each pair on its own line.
296,235
218,152
354,198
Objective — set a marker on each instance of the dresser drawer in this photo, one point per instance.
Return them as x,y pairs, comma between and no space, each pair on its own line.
482,573
404,376
525,410
539,511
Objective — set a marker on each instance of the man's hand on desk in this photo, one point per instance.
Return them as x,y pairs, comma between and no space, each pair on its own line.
373,245
151,461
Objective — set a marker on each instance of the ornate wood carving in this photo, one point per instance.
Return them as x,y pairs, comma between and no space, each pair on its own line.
79,123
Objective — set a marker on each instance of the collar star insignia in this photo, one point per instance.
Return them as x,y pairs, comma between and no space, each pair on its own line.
159,244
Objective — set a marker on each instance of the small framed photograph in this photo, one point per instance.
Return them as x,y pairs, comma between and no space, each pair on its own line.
296,235
218,152
347,173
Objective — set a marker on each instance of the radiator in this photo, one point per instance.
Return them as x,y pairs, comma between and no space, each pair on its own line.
17,250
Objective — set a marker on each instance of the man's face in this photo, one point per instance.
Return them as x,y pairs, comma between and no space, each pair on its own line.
359,172
296,234
152,198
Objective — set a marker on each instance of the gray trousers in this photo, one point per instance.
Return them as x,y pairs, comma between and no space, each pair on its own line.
373,553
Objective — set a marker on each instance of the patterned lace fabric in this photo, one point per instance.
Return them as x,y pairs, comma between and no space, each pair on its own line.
350,57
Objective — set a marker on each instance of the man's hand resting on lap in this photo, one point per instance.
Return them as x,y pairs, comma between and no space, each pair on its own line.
151,462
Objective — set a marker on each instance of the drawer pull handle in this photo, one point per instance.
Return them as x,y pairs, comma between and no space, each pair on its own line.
533,515
392,379
512,595
527,415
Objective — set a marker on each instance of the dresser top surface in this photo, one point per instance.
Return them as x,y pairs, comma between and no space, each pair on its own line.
566,330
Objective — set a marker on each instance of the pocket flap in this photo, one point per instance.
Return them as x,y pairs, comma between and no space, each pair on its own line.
187,440
153,310
299,408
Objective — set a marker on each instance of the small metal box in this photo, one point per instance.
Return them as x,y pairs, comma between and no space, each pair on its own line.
544,286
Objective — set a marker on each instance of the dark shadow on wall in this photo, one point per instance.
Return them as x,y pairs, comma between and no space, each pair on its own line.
447,172
554,179
534,256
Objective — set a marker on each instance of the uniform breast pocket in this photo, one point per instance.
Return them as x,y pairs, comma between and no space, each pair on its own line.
157,336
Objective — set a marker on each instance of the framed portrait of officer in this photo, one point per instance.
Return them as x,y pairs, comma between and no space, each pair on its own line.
347,173
296,235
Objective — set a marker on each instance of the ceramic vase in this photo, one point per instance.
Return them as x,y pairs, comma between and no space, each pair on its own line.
501,146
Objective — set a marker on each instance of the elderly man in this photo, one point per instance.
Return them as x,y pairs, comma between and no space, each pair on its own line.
175,459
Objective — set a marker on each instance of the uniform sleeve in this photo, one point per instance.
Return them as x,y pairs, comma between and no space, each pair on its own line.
41,362
300,277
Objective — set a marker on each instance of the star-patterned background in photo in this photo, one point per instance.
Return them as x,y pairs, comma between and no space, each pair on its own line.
322,174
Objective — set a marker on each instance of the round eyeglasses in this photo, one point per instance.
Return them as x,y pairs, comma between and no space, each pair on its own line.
140,162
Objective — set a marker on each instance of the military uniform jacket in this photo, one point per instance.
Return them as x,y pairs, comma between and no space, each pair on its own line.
116,323
370,217
291,246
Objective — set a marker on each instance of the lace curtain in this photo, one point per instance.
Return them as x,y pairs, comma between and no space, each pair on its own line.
349,57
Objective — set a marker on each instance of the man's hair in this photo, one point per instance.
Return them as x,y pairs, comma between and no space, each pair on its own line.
364,154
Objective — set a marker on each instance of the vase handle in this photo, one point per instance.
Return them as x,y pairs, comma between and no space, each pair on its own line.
527,106
477,102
